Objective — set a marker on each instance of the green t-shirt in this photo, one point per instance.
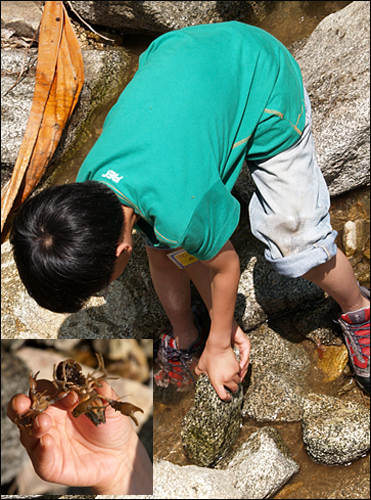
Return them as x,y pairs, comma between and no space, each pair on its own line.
172,147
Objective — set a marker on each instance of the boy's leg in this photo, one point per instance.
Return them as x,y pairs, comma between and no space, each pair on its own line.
290,214
336,277
172,286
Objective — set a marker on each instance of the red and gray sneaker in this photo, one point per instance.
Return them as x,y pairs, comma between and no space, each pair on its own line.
175,366
356,332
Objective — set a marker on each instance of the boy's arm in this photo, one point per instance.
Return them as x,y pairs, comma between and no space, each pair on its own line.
218,360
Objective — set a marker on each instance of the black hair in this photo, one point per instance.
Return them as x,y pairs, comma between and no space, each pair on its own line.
64,243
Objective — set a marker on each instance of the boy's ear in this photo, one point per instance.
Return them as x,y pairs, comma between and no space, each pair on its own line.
124,246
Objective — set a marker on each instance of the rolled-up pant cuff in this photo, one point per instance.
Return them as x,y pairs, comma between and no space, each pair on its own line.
298,264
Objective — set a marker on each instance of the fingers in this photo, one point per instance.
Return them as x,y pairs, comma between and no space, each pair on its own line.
244,345
224,392
106,390
17,405
31,435
223,389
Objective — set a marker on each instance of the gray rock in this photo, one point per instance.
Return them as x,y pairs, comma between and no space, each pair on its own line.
274,396
263,293
14,379
160,17
211,426
130,311
278,378
22,17
262,465
318,323
15,106
21,496
104,77
335,63
104,497
191,481
335,432
271,350
258,468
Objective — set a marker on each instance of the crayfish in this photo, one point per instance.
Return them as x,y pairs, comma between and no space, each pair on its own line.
67,377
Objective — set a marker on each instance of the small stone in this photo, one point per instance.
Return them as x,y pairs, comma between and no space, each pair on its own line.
350,238
354,237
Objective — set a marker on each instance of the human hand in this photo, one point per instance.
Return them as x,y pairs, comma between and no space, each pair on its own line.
240,340
74,452
220,363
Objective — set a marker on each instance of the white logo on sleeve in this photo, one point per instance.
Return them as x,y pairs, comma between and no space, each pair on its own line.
114,176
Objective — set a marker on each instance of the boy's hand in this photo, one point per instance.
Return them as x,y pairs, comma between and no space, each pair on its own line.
221,366
243,344
74,452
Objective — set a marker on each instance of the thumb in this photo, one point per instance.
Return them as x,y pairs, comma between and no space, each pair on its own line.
222,393
198,371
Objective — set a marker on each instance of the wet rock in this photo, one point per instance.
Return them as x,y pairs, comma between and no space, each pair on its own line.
274,396
160,17
317,324
335,432
14,378
191,481
269,349
262,465
278,378
263,293
335,63
211,426
258,468
332,362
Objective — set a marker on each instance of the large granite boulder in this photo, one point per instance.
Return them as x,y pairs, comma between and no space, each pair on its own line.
105,73
160,17
335,63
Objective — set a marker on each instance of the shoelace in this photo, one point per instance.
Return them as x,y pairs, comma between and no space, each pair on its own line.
356,337
357,328
172,354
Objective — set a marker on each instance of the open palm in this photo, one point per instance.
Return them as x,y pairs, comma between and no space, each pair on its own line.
73,451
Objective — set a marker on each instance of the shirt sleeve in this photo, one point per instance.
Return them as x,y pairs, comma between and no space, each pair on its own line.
212,223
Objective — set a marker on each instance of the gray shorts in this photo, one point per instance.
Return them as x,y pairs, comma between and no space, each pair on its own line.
289,209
